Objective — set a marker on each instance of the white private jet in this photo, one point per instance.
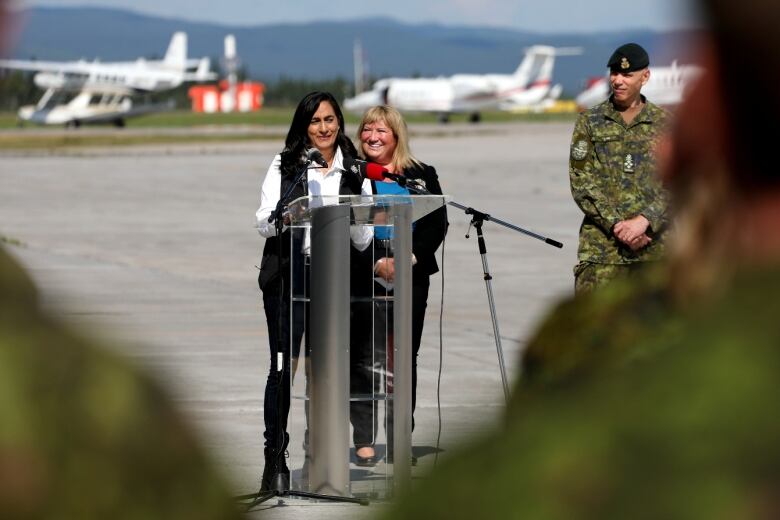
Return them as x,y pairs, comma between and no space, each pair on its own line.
467,93
93,92
666,86
548,102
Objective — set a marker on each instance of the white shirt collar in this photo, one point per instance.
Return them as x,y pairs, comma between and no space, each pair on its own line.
338,162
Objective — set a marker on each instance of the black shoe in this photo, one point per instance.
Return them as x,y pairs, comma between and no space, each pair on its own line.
365,462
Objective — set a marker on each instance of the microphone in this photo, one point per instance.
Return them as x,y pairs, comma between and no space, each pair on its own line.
315,156
370,170
377,172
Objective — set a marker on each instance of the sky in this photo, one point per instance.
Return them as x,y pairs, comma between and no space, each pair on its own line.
536,15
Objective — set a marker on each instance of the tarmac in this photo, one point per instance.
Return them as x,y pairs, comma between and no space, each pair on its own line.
153,249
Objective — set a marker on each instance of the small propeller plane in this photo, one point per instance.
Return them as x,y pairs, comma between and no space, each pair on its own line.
77,92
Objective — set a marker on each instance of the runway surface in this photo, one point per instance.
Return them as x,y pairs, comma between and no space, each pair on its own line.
153,247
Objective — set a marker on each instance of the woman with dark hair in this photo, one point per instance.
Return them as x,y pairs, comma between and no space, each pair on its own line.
317,123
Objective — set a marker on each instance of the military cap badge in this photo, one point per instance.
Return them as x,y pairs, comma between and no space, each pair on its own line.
624,64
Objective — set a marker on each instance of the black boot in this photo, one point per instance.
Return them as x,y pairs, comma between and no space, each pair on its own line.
276,466
268,470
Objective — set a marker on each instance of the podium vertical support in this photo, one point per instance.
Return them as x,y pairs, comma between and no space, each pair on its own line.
329,328
402,343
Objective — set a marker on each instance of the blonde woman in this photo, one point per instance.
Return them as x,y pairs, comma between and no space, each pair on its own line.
383,139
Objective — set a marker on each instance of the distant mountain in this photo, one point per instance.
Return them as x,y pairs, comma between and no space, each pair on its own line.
324,50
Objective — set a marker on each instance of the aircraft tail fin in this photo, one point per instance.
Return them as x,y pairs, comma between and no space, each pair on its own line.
202,73
538,62
203,67
555,92
176,55
534,59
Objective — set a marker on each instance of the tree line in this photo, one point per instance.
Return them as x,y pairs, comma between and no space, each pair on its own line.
17,89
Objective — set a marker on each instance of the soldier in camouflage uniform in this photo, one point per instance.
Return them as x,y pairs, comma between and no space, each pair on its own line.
612,170
656,397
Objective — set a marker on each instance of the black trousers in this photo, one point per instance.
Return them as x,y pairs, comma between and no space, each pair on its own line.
365,354
276,402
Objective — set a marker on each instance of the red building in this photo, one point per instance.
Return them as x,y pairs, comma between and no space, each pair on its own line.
246,97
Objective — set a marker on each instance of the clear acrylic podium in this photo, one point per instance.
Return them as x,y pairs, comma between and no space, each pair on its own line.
355,361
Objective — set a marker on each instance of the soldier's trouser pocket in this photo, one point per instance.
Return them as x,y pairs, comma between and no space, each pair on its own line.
589,275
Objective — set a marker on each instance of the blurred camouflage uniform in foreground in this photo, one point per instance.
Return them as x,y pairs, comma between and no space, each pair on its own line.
655,397
632,408
82,435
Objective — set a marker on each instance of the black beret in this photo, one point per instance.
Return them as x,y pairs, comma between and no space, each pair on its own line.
628,58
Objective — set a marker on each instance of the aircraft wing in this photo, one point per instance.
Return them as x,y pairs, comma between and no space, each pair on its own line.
46,66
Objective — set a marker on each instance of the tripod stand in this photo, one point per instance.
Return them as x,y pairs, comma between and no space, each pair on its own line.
477,219
276,479
281,488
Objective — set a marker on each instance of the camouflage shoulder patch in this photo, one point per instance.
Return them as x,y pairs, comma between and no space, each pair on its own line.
579,149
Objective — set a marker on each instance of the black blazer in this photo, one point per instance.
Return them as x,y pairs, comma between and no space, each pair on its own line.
429,231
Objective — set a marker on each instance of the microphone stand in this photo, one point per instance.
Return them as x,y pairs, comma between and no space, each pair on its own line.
276,214
280,482
477,219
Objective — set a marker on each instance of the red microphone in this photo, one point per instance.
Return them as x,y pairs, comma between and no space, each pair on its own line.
365,169
375,172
